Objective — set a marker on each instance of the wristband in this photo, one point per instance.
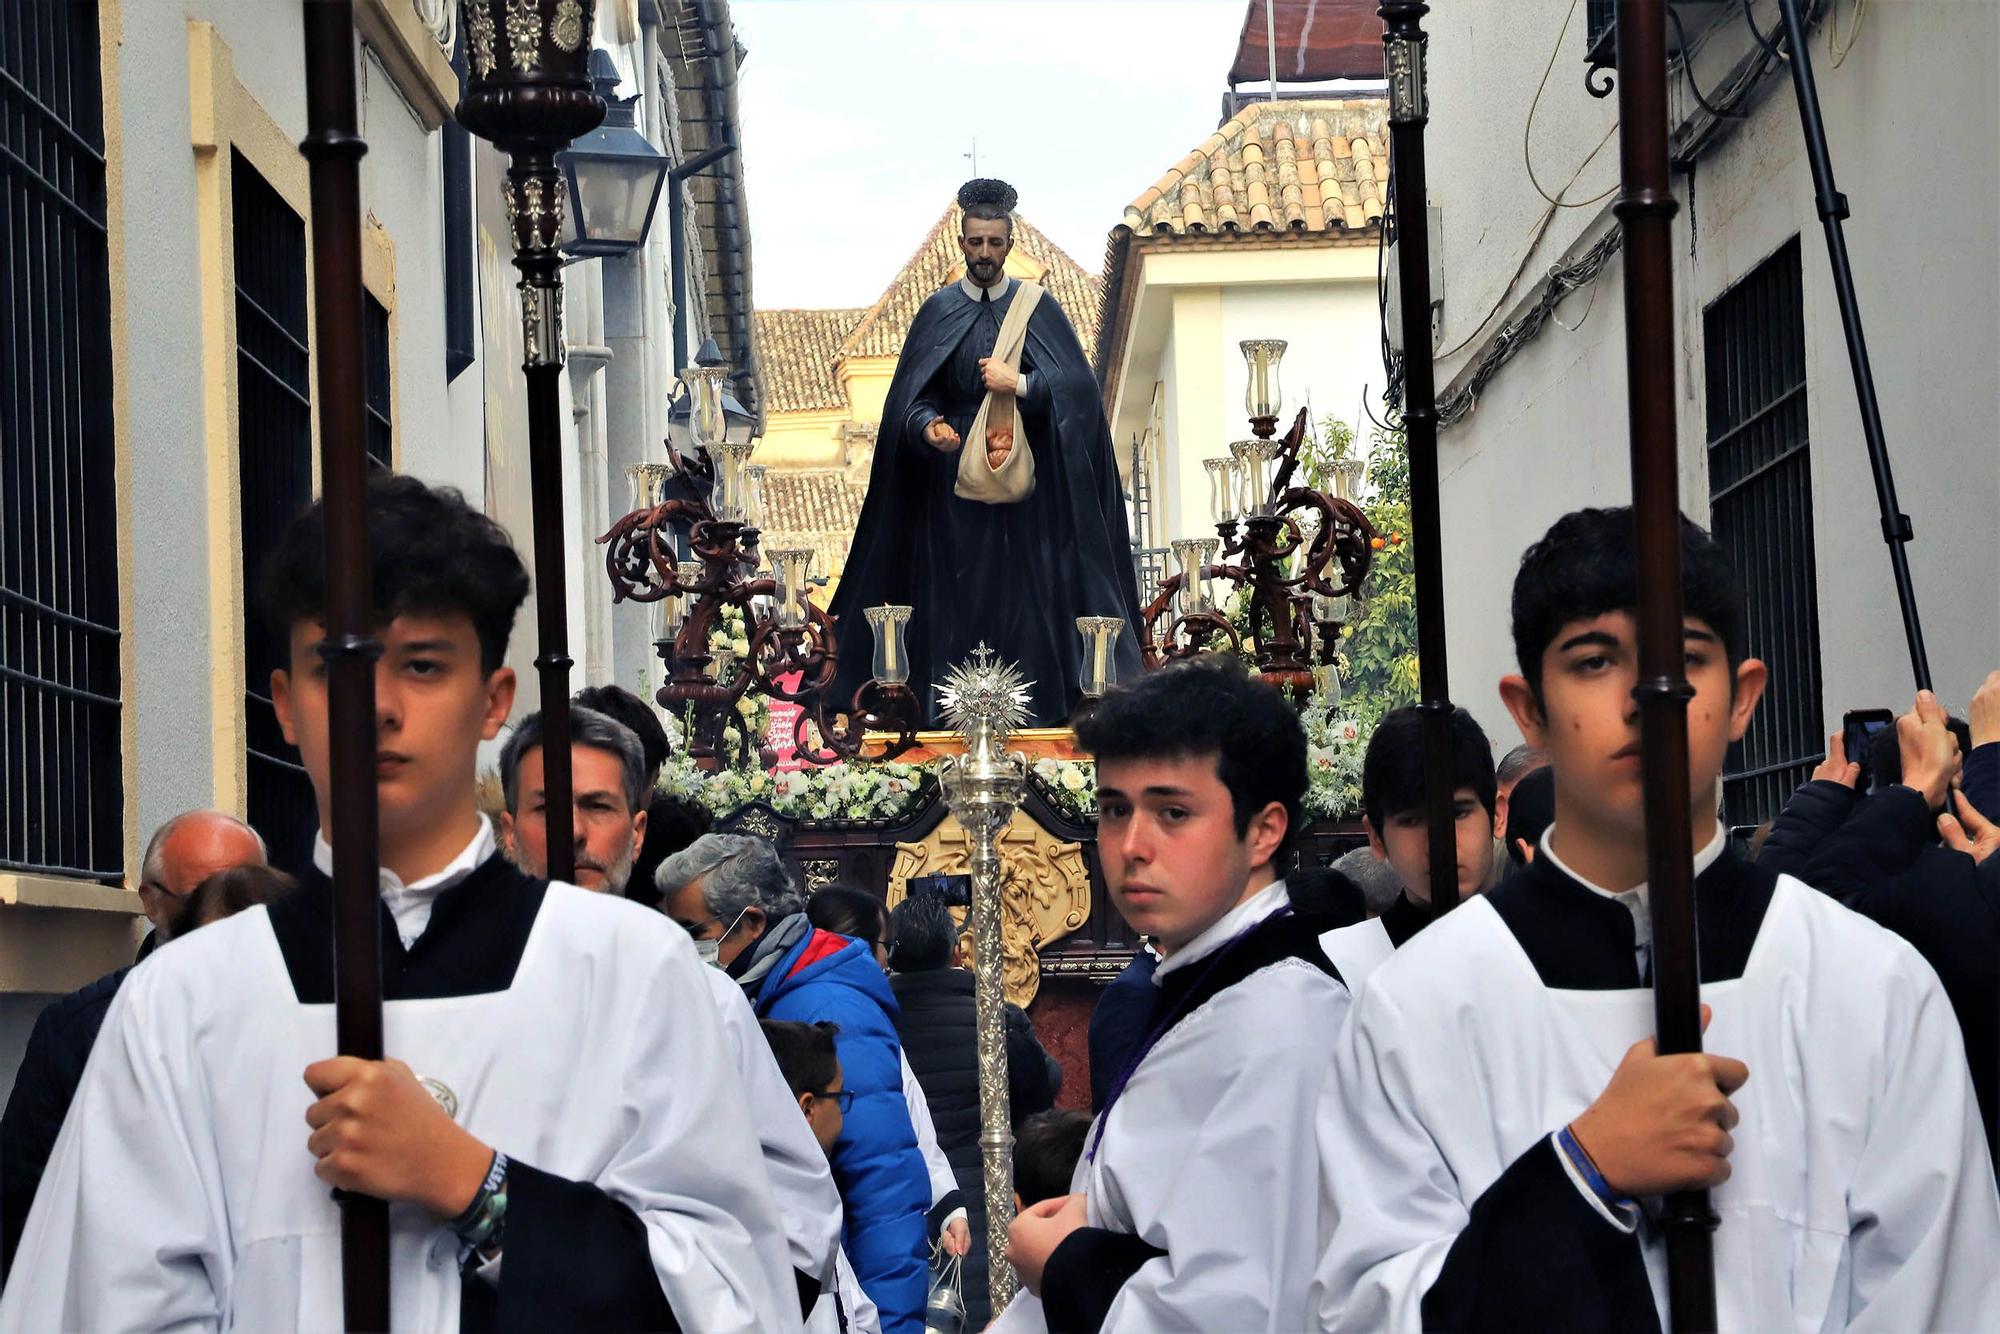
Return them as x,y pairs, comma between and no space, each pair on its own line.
1580,1159
485,1219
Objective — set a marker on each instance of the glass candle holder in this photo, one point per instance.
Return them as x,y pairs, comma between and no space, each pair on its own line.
706,417
1347,477
1100,664
753,493
892,655
1222,489
1191,554
1247,458
729,460
647,484
790,565
1261,395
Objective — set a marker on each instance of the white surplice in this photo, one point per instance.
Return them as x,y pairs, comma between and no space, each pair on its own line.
1209,1152
1357,950
1861,1195
801,1181
181,1193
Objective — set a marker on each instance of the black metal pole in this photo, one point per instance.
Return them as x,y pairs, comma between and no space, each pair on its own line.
1404,44
333,149
1646,208
676,239
1896,528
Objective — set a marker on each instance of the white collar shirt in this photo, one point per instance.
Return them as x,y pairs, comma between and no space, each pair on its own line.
1634,899
410,904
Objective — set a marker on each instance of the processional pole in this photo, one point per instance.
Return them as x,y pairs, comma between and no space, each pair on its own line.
985,700
529,93
333,150
1896,528
1646,208
1404,45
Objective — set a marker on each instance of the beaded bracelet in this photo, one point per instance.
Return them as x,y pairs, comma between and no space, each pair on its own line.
485,1219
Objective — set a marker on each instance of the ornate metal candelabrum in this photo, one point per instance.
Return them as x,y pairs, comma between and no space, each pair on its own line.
789,650
1303,555
986,700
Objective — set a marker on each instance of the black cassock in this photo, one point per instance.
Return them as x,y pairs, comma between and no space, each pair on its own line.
1015,576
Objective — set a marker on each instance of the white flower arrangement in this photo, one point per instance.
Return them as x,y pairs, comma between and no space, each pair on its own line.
838,793
1069,785
1335,747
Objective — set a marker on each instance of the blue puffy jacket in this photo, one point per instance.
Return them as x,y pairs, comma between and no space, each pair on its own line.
876,1164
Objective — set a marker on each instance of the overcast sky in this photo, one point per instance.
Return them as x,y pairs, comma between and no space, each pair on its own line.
858,116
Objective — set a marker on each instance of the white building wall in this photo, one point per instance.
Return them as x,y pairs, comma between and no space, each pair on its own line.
1549,433
1333,358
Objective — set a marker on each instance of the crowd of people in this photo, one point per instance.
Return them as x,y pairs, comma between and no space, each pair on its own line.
682,1093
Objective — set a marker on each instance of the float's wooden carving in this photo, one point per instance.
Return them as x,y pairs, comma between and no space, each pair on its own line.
1045,891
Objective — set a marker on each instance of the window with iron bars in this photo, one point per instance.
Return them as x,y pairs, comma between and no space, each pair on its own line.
1761,512
62,791
274,458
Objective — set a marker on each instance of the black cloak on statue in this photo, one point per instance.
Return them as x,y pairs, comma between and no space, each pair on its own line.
1017,576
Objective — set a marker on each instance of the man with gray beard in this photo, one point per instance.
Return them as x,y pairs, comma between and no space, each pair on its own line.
608,774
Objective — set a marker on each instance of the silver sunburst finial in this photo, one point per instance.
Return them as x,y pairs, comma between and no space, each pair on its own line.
982,690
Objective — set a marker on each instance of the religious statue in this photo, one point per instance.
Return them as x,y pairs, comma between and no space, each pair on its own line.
994,507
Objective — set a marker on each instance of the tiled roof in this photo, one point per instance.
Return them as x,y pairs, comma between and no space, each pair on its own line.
938,261
1303,166
812,507
797,350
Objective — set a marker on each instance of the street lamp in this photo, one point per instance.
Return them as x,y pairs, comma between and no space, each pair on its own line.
528,92
613,175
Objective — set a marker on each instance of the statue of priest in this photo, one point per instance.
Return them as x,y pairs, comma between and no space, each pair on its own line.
994,507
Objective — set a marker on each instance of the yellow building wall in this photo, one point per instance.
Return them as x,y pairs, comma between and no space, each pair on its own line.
801,439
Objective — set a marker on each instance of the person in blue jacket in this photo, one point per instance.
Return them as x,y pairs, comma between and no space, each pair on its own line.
818,977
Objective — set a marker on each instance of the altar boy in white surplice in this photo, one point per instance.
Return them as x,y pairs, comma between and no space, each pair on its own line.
1194,1204
561,1131
1499,1128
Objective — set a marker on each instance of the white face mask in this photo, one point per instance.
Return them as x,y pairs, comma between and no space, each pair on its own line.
710,951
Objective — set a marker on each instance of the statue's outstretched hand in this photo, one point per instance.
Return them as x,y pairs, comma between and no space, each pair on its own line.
940,435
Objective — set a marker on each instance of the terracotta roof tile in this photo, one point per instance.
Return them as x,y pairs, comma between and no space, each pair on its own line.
797,350
812,507
937,262
1310,166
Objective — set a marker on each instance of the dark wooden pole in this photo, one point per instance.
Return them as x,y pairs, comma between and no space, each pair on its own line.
333,149
528,91
1646,209
1896,528
1404,45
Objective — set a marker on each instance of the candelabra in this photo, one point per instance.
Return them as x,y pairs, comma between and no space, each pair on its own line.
789,650
1301,555
986,700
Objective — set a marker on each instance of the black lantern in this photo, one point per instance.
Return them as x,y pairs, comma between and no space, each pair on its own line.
613,176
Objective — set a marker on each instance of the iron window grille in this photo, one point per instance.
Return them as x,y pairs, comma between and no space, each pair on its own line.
274,457
62,791
1761,512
